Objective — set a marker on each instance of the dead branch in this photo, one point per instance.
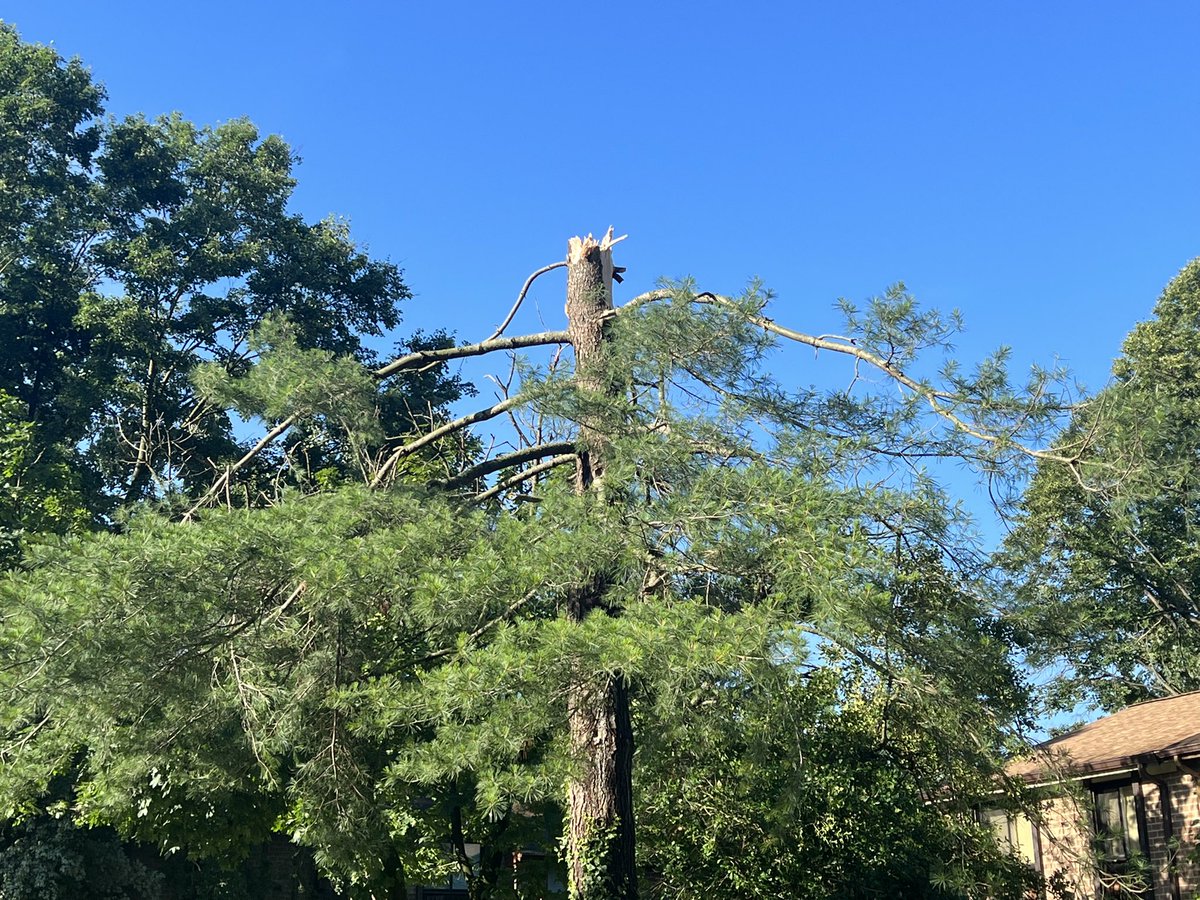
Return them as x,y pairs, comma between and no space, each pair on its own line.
230,471
422,357
480,415
521,296
522,476
487,467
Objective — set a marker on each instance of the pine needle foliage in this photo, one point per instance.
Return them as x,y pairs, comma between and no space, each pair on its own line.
381,674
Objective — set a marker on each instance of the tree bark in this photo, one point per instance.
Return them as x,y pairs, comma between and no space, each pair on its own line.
600,839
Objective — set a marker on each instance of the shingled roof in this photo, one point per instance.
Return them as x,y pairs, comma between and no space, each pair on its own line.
1154,731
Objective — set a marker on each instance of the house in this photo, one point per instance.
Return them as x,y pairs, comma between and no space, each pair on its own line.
1121,810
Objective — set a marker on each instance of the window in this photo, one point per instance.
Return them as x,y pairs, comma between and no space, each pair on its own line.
1016,834
1120,829
1116,823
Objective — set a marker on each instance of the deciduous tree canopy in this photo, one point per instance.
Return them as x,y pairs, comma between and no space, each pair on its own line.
1106,555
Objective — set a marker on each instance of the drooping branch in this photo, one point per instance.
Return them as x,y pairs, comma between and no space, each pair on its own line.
420,358
521,296
936,399
412,360
495,464
522,476
480,415
424,357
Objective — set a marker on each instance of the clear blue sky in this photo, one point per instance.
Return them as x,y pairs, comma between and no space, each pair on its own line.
1034,164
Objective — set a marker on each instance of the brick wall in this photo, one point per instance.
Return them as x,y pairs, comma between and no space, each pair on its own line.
1161,856
1066,838
1180,851
1185,807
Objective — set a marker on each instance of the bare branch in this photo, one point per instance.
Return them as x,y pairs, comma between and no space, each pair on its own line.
423,357
522,476
479,415
230,471
487,467
521,296
641,300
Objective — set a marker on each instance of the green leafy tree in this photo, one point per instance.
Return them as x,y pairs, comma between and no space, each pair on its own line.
145,266
49,135
192,211
802,787
387,671
38,495
54,859
133,251
361,633
1106,554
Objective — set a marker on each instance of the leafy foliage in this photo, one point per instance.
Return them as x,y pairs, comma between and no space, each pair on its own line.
139,259
37,495
806,788
49,135
52,859
133,251
1105,556
368,668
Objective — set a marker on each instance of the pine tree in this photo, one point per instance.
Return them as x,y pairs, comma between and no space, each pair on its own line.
470,651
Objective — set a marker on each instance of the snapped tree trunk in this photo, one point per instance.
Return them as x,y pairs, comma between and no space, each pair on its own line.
600,839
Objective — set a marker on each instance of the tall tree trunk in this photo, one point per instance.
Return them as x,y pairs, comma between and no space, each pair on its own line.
600,840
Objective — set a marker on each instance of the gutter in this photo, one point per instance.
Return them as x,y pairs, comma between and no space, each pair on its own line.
1185,767
1088,776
